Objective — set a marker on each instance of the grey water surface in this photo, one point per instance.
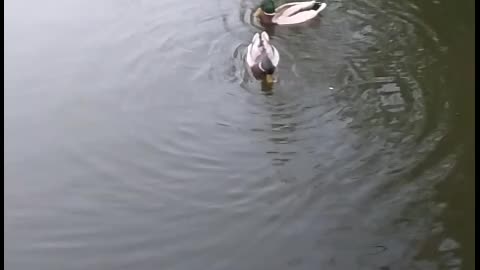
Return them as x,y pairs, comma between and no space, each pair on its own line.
134,138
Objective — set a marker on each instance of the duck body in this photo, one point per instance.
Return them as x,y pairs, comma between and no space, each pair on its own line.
289,13
262,58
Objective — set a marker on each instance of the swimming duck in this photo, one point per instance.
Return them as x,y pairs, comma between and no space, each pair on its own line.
262,58
288,14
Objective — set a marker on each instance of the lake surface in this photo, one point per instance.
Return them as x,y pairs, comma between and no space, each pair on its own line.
134,138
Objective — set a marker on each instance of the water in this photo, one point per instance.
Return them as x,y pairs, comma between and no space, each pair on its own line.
134,138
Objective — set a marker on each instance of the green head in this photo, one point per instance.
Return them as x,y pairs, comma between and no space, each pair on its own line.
268,6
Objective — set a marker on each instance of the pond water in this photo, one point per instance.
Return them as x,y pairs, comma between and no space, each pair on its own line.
134,138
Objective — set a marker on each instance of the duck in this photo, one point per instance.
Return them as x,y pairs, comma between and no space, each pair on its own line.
262,57
289,13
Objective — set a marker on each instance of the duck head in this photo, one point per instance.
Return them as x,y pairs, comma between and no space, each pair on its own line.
264,69
267,11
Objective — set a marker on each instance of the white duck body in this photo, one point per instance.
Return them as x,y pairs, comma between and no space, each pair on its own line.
260,46
297,12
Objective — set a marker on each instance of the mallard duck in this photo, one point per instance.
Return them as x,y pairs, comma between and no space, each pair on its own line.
290,13
262,57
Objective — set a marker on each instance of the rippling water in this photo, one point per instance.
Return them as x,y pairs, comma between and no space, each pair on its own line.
135,139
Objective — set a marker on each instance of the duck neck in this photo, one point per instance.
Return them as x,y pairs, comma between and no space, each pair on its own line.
257,72
266,18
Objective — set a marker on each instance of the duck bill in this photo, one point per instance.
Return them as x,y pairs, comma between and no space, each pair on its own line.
269,78
258,12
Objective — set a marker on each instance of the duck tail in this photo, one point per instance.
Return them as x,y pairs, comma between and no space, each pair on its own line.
319,5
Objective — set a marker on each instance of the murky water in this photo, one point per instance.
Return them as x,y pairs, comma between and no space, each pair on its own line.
134,138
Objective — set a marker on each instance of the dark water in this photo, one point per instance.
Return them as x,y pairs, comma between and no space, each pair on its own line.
135,140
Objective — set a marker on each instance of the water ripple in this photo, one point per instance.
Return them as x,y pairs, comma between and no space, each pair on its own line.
169,129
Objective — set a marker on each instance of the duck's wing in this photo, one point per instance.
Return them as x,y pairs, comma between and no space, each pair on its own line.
254,50
297,18
270,50
275,58
266,44
299,13
289,9
265,37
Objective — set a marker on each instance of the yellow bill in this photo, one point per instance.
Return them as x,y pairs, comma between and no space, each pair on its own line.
257,12
269,78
